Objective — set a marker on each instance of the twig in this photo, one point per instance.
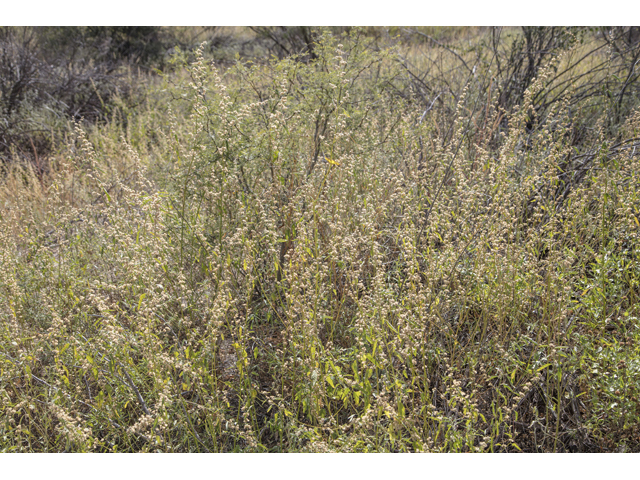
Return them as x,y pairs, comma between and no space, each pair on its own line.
441,45
88,389
137,392
429,108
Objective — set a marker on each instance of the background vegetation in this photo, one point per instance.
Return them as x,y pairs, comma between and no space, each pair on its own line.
301,239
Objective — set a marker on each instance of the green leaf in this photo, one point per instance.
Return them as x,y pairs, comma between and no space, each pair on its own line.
140,300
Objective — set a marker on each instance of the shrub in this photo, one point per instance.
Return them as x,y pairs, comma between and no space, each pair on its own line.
298,256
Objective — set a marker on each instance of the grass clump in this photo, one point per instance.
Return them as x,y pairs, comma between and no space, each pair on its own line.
304,255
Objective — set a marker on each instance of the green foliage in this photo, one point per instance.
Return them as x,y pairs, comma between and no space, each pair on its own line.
304,255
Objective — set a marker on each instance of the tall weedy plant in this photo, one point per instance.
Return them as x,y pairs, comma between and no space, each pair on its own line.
297,256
